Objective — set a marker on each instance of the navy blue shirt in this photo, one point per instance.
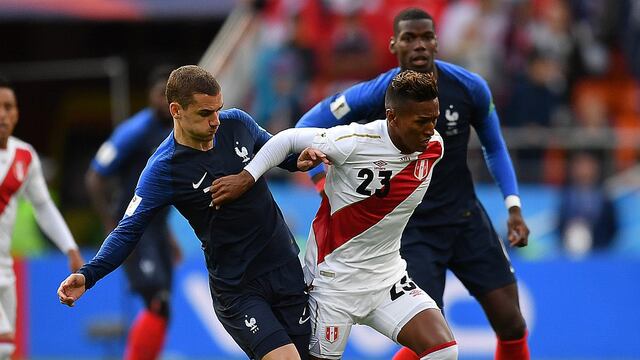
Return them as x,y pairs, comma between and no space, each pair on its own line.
465,101
241,240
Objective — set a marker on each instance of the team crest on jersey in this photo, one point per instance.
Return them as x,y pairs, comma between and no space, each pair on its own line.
422,169
243,153
19,171
331,333
452,121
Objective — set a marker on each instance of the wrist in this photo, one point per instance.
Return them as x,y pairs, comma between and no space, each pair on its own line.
512,201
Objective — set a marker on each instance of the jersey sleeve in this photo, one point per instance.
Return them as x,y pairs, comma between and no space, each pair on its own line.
112,154
261,137
494,148
47,214
296,140
152,193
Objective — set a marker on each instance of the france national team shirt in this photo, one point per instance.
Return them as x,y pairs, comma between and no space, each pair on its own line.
126,152
241,240
465,101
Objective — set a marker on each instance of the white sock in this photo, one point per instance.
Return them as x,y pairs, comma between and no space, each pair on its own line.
448,353
6,350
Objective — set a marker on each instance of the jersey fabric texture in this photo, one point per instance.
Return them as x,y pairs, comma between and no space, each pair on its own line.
465,101
123,156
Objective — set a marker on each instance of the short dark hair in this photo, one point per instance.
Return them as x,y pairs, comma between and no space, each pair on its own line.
5,83
188,80
410,85
410,14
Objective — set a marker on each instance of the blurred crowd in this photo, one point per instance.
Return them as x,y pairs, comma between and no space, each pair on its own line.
564,76
564,73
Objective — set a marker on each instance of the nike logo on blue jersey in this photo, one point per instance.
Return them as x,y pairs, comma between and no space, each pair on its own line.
197,185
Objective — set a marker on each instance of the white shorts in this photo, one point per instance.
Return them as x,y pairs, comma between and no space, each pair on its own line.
8,308
386,310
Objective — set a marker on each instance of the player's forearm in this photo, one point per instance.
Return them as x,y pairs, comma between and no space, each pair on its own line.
53,225
276,150
98,192
497,157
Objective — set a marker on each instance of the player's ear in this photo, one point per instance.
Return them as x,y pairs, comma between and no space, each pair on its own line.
392,45
175,109
391,115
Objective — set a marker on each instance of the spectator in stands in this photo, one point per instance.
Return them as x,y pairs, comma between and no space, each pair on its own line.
587,216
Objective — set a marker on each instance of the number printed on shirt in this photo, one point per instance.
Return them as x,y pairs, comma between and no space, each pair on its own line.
367,175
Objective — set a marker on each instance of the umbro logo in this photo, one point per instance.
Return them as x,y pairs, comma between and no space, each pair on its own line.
197,185
380,163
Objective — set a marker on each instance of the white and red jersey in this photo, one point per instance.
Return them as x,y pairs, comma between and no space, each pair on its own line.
371,191
21,174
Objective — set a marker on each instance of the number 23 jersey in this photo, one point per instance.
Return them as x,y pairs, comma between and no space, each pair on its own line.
371,191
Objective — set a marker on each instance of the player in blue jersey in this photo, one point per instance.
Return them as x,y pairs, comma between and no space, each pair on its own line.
149,268
450,229
255,276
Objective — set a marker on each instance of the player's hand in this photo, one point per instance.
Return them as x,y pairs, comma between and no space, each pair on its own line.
518,230
310,158
71,289
228,188
75,260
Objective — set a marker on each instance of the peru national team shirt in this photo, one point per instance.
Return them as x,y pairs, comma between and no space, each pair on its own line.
371,191
240,241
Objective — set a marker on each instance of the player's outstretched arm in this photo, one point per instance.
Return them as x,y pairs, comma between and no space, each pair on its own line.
71,289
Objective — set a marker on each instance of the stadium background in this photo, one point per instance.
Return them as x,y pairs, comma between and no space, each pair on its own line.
564,74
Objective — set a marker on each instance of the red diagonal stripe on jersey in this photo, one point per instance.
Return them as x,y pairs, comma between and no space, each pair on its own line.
11,182
332,231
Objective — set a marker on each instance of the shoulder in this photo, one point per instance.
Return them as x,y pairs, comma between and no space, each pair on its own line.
160,161
134,126
350,135
26,149
465,77
236,115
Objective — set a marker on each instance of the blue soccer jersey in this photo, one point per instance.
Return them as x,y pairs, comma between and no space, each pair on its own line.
127,150
465,101
241,240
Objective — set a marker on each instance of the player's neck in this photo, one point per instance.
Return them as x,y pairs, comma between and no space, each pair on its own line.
3,143
185,140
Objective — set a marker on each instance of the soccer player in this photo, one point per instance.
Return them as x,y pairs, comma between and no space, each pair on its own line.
150,266
450,229
379,174
255,277
21,174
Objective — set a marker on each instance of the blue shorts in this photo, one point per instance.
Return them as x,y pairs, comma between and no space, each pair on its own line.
471,250
268,312
149,268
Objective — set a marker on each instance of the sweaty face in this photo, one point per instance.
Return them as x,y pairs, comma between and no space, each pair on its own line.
8,113
412,124
415,45
200,119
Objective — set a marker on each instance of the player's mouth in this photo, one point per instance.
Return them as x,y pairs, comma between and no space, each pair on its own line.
419,61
